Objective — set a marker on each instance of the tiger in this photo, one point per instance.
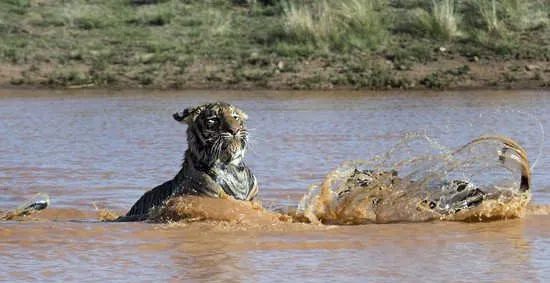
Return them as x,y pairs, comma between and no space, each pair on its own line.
213,164
448,197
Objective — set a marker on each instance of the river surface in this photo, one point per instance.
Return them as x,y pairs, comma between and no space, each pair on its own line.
105,148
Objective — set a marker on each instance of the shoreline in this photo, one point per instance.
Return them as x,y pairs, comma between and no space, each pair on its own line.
450,75
512,87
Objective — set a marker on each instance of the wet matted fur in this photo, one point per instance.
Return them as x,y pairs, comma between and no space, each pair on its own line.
213,165
449,197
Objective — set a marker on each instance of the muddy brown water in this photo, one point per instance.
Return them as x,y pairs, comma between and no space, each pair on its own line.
108,147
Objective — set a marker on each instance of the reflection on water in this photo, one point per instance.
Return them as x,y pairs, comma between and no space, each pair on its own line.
109,147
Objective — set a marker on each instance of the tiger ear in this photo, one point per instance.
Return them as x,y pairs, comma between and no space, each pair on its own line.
188,115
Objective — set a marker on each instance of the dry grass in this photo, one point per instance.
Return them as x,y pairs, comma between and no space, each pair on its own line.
309,22
335,25
441,22
488,11
503,17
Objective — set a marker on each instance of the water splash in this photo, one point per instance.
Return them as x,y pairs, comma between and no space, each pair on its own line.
493,171
38,202
195,209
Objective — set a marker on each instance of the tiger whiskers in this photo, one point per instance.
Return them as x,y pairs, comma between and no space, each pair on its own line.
216,148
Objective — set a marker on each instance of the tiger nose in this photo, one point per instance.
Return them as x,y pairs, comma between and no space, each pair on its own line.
234,130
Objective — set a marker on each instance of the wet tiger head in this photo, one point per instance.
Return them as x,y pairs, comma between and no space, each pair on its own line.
366,180
216,132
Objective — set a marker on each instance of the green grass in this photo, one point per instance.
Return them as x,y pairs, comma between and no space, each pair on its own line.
170,43
504,18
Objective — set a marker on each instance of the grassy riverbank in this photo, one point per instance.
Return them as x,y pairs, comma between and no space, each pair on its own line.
296,44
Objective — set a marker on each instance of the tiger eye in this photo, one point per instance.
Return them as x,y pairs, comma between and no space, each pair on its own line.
211,122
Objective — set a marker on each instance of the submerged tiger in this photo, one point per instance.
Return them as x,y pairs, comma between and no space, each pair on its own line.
385,190
213,163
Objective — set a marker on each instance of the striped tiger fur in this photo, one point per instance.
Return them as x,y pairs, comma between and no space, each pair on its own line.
451,196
